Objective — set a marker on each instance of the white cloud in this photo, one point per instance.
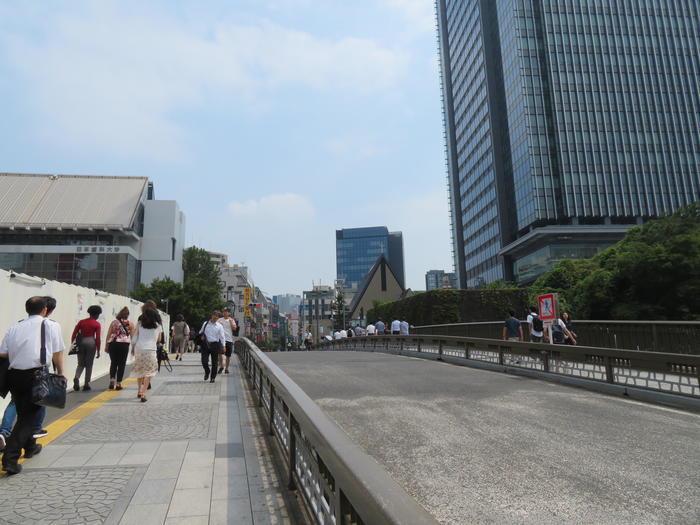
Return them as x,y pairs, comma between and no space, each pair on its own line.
104,79
354,147
419,13
280,210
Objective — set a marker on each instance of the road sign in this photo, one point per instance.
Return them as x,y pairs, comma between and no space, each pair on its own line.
547,306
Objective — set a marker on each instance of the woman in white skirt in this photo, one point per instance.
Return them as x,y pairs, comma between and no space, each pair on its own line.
144,343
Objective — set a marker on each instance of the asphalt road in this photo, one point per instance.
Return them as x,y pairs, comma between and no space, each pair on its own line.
476,446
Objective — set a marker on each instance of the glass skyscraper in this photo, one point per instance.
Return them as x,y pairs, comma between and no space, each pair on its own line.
357,249
567,121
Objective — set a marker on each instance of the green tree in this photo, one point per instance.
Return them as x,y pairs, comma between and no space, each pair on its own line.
652,273
339,310
202,287
200,293
160,291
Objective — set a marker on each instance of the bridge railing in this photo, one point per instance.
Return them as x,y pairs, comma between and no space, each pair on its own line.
677,337
340,484
663,372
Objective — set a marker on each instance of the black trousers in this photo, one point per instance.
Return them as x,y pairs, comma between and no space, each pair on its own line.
86,357
20,383
210,351
118,352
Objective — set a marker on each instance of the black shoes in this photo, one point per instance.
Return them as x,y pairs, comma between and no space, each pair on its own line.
40,433
12,468
226,371
86,388
76,385
220,370
33,452
211,380
206,376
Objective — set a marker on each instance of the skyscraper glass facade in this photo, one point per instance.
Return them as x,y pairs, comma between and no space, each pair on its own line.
357,249
598,127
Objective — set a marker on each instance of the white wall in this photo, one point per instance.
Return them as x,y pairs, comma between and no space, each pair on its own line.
73,302
163,222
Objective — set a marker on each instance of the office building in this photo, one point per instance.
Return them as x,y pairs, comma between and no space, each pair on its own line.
566,123
106,233
316,311
436,279
287,302
357,249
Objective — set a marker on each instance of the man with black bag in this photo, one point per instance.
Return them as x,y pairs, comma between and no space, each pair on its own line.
22,346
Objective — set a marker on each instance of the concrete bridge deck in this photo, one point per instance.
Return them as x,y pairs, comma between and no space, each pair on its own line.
475,446
193,454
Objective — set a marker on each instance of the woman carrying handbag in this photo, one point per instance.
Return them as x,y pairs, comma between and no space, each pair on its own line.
118,341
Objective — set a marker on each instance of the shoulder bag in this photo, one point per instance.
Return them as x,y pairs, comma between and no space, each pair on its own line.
48,389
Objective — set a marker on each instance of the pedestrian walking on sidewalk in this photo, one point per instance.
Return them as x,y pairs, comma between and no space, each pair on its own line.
395,327
144,344
536,325
512,329
22,347
86,335
117,346
10,414
229,326
212,341
180,333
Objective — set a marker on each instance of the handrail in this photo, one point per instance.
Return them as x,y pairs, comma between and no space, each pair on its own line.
659,371
340,483
680,337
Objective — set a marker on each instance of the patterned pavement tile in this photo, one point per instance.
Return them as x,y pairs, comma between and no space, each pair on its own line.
137,422
54,496
189,388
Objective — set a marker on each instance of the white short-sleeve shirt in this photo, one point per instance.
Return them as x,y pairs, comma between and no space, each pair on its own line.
226,325
22,342
146,338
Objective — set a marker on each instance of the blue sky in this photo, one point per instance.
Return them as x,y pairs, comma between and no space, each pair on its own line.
272,122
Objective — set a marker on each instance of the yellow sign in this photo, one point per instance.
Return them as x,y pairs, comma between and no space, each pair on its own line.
246,311
246,295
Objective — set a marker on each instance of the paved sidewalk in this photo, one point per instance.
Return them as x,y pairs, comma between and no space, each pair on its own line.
194,454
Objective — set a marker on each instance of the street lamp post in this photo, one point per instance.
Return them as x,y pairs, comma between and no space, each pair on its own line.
166,301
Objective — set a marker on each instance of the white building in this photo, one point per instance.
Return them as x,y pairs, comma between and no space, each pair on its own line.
104,233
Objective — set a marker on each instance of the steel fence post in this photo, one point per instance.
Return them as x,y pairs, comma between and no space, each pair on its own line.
272,410
292,457
609,372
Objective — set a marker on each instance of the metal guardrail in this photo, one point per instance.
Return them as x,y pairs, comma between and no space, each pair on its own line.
663,372
677,337
339,482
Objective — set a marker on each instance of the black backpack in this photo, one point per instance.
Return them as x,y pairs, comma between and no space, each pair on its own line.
537,325
557,333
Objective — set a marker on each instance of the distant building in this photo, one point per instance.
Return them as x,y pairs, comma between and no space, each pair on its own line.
357,249
316,311
287,302
435,279
220,259
106,233
235,279
380,284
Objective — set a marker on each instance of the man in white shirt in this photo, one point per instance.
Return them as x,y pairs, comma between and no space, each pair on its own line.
336,334
371,329
22,347
213,341
536,326
403,327
395,327
229,325
343,334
